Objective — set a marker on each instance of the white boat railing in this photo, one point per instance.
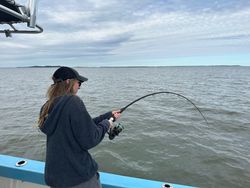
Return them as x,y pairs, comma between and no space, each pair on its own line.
13,13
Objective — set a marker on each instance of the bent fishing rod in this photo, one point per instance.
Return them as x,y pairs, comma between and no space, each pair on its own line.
117,129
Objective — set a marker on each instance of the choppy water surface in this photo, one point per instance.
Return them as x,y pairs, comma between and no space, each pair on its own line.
165,138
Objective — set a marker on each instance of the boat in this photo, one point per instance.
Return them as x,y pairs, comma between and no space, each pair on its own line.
16,172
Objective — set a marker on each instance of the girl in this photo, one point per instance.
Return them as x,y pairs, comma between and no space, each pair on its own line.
71,132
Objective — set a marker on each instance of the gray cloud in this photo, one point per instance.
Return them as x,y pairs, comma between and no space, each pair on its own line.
230,37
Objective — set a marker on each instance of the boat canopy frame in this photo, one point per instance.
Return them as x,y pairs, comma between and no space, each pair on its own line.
13,13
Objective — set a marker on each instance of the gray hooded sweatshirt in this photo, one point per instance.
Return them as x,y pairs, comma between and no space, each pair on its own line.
71,132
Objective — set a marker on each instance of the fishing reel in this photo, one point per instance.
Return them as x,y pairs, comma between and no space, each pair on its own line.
115,130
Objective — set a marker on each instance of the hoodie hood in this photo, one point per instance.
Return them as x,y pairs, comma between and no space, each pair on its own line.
50,124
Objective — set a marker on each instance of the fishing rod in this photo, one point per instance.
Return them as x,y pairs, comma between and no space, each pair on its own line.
166,92
118,128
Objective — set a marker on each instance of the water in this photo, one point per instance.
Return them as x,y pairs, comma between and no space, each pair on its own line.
165,138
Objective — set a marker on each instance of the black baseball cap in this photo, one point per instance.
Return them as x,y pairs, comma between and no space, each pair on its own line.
64,73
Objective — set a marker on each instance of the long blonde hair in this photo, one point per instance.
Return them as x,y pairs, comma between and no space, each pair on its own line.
54,91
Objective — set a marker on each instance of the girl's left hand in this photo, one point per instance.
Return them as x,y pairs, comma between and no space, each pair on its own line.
116,114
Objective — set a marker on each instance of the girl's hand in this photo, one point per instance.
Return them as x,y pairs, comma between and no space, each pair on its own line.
116,114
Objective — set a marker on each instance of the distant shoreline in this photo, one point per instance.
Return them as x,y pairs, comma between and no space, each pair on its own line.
56,66
43,66
159,66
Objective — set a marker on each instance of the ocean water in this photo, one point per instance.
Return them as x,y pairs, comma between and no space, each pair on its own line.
165,138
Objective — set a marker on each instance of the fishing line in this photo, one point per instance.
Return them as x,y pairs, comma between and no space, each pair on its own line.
164,92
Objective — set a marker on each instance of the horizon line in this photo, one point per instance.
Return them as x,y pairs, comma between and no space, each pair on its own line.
126,66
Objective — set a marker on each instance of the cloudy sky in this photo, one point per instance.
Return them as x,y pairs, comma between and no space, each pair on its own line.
133,32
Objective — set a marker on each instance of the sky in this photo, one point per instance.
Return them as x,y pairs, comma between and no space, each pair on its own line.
133,33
